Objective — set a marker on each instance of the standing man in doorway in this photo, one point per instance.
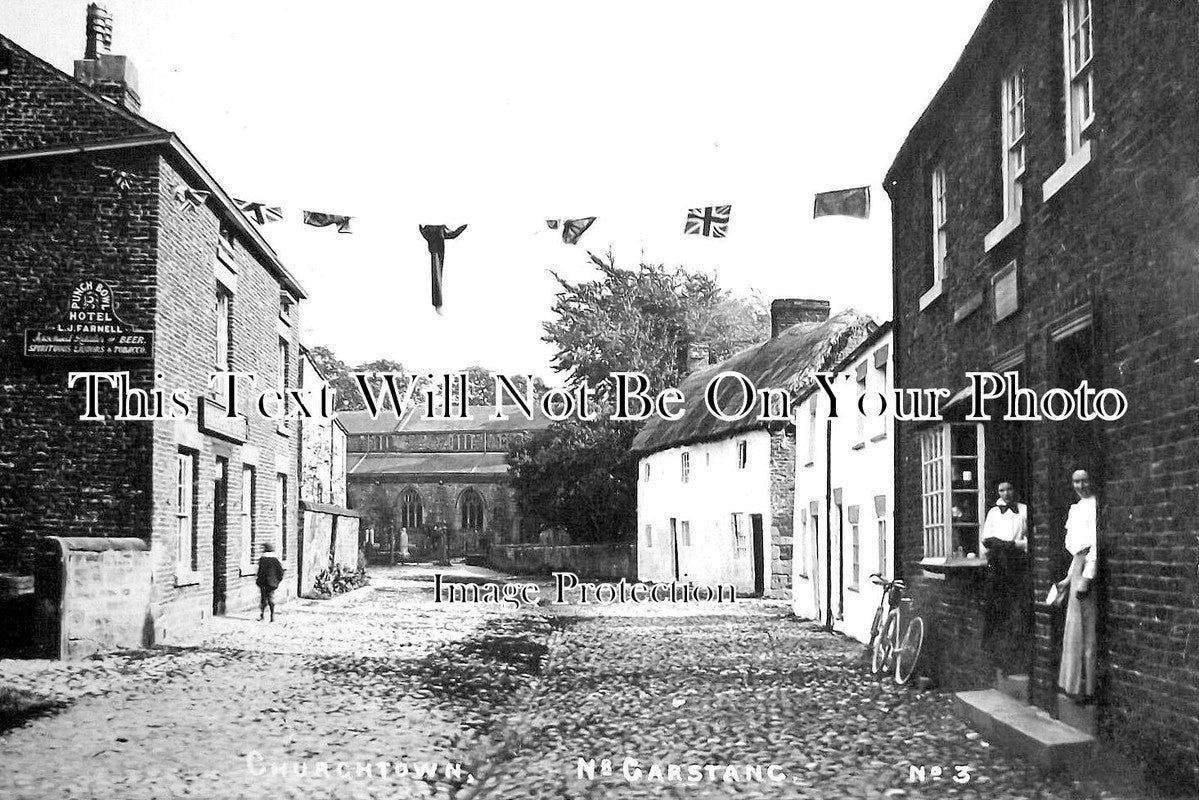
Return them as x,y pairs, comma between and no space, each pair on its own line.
1005,546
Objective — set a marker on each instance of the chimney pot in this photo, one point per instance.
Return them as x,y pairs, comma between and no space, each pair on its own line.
112,77
99,31
786,312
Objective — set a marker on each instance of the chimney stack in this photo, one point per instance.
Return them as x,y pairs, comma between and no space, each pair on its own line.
111,77
786,312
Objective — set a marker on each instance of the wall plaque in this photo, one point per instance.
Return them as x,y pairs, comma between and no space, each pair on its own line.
90,329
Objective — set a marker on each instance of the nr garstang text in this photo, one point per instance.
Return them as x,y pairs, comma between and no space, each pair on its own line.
728,396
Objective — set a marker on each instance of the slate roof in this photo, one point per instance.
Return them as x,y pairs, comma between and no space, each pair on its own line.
787,361
431,464
415,422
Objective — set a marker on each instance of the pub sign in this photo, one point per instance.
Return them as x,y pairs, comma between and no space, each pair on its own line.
90,329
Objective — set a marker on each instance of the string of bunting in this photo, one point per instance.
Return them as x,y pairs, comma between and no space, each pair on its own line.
710,221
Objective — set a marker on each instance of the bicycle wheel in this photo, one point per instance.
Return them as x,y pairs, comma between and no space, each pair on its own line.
884,644
875,628
909,651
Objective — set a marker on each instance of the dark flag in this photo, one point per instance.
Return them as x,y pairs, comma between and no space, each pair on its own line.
319,220
843,203
553,223
572,229
436,235
709,221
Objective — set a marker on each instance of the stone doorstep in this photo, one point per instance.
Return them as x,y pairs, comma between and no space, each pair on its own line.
1015,687
1025,729
1083,718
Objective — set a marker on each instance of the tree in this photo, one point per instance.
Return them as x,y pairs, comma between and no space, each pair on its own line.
337,374
340,376
579,476
480,385
643,320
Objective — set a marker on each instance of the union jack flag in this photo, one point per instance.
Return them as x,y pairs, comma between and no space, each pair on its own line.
259,212
709,221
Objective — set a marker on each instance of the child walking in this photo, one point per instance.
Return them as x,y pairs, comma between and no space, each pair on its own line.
270,575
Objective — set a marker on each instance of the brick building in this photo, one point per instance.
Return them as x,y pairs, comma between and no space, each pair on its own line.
106,218
1046,222
716,498
420,474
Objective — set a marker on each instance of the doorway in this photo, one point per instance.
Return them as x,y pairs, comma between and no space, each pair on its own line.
1078,447
674,547
220,537
759,545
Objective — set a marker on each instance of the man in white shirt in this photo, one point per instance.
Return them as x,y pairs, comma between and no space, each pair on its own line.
1005,545
1007,521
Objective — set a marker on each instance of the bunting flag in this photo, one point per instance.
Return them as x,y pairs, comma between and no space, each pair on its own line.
436,235
119,177
190,199
843,203
709,221
572,229
553,223
259,212
319,220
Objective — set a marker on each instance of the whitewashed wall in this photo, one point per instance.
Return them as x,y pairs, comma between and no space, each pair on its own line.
862,468
716,490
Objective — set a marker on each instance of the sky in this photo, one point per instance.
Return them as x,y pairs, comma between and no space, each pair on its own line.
501,115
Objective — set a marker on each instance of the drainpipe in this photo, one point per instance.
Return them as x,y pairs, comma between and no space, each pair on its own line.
828,525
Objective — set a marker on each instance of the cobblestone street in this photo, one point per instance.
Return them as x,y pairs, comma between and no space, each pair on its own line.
516,697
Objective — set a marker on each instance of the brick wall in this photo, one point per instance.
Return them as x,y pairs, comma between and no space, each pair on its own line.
1122,237
187,246
62,221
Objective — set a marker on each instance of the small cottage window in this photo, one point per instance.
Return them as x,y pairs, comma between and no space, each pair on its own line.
742,454
685,532
649,535
685,467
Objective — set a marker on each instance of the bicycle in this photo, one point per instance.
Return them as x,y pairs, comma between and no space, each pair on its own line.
887,651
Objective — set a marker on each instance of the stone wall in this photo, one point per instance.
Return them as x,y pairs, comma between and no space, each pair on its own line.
330,537
782,511
584,560
92,595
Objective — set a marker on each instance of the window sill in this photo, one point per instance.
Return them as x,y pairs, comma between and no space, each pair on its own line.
246,572
187,578
1001,232
809,464
953,565
859,446
928,297
878,437
283,429
1074,165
